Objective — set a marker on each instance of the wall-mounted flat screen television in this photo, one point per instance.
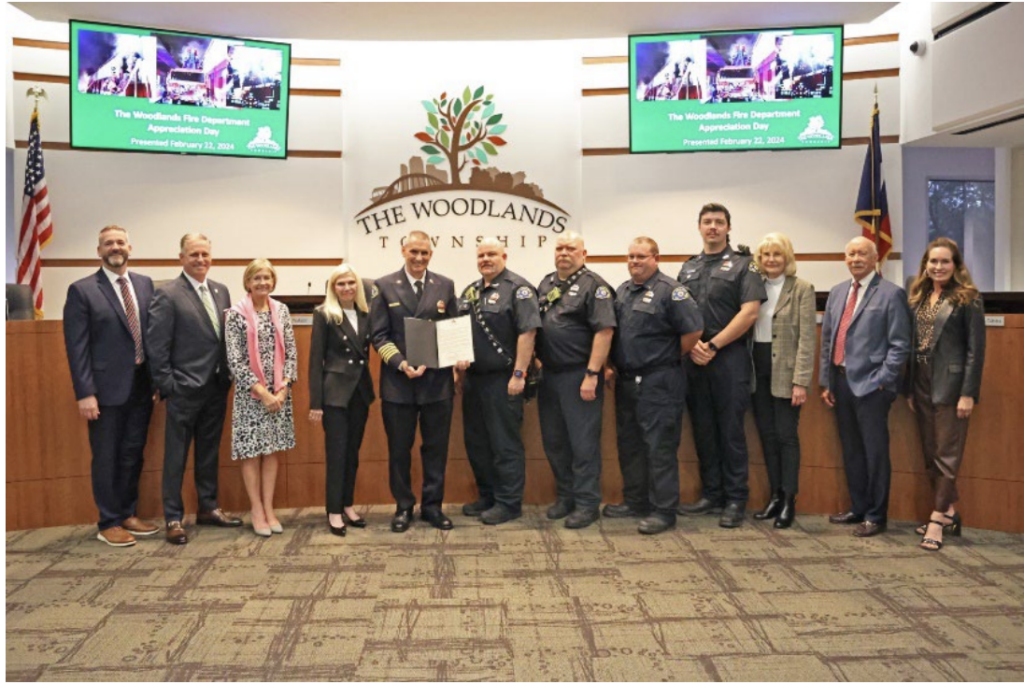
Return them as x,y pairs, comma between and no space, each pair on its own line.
771,89
149,90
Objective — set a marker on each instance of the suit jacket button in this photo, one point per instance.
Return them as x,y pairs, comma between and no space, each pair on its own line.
344,337
350,360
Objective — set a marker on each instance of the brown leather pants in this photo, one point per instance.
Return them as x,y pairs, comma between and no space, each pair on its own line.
943,437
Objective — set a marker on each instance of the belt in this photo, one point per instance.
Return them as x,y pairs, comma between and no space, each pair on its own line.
841,370
647,370
564,369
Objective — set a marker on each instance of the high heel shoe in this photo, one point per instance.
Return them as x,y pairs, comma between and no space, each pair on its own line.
787,514
773,508
929,544
354,522
262,531
953,527
338,531
277,528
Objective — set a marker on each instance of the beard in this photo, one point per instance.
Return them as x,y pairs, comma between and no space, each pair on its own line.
115,261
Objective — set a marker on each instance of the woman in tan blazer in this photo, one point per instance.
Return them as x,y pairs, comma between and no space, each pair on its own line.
784,353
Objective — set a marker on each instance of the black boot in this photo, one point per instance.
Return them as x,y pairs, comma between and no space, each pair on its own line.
787,514
772,509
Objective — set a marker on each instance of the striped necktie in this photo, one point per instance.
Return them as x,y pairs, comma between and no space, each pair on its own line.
133,318
204,294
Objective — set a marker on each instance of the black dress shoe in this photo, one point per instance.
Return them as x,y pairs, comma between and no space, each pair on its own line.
356,522
656,524
623,510
217,517
787,514
732,516
560,509
436,518
701,507
499,514
473,510
338,531
868,529
401,521
773,508
582,517
847,518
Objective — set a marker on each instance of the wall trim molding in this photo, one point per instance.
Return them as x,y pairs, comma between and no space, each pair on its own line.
615,151
92,263
806,256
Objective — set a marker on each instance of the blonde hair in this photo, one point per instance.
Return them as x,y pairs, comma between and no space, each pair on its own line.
331,306
254,267
782,242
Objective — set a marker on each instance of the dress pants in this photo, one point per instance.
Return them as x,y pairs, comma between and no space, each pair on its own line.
435,421
777,422
943,437
649,422
197,415
343,436
864,432
491,421
570,429
117,439
718,399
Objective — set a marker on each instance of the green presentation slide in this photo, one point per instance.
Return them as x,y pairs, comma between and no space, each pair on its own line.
777,89
150,90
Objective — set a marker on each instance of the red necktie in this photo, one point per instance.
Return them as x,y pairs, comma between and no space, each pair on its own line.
839,353
133,318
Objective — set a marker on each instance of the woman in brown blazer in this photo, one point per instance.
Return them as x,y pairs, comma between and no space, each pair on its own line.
340,389
784,346
948,354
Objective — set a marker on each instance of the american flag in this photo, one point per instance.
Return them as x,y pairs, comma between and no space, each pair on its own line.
872,211
36,226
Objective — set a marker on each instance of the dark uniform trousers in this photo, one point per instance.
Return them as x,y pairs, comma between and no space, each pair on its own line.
778,423
435,420
118,438
344,429
649,422
193,414
718,399
570,430
492,420
863,424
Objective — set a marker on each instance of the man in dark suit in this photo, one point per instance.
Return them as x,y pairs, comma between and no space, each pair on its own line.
189,367
865,339
409,393
104,316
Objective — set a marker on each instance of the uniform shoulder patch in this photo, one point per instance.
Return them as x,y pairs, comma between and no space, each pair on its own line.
679,294
524,293
753,266
602,292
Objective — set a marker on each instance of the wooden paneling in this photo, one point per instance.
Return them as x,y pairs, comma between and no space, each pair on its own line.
847,142
48,458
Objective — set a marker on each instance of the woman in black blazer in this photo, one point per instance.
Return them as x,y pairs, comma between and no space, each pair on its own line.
340,389
948,354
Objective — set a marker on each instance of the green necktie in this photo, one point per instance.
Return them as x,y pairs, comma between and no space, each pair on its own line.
204,294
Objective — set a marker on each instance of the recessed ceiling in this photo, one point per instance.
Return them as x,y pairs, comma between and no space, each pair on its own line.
455,21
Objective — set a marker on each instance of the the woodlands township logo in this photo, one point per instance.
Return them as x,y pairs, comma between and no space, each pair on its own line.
461,138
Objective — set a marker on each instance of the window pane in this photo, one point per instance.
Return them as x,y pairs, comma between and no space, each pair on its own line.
964,211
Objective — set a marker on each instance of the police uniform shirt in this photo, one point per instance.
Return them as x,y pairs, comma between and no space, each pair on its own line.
721,283
575,312
509,308
652,317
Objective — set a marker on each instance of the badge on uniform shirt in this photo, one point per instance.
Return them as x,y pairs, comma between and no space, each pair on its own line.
648,296
602,293
494,298
679,294
440,306
574,289
523,293
374,292
726,265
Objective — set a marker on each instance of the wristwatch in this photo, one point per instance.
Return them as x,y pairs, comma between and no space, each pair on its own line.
519,374
593,373
713,347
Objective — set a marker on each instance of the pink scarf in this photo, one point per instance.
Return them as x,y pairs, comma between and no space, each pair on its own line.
248,312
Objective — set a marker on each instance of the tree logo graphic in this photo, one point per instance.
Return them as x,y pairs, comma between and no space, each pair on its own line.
460,131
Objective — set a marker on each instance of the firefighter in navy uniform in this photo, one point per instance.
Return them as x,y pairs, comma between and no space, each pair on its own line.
412,394
505,322
658,324
729,290
579,321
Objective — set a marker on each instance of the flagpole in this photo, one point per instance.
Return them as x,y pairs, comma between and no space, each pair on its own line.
874,183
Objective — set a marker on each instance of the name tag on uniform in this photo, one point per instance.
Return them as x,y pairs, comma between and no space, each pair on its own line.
393,304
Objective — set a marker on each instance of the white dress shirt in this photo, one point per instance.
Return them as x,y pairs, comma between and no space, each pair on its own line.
117,289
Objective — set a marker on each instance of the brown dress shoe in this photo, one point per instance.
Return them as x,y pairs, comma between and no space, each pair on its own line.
176,533
116,536
217,517
139,527
868,529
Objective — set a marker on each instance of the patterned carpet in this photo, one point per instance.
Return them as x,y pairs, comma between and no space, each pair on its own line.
528,600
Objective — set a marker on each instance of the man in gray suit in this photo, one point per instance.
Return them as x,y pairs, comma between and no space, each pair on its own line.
189,367
865,339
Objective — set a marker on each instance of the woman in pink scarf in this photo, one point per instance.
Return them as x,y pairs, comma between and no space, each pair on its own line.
263,361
